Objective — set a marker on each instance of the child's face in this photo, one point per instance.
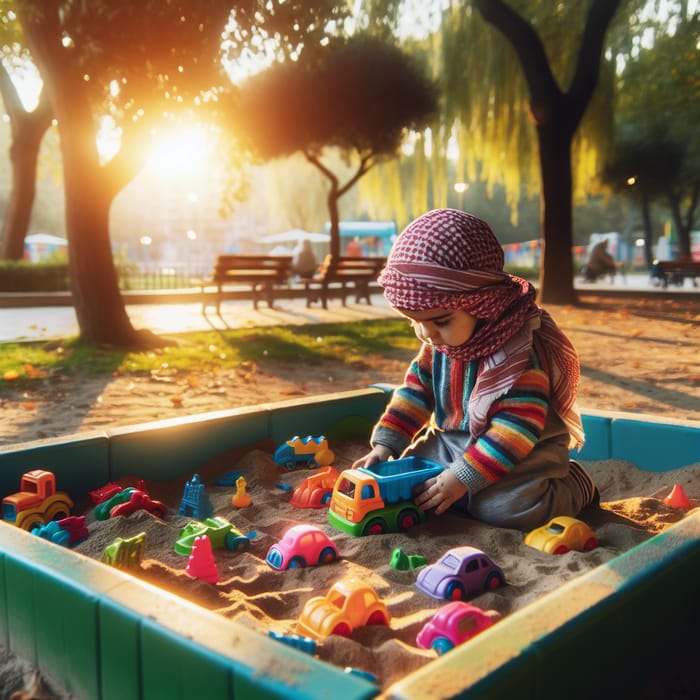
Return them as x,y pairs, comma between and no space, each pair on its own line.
442,326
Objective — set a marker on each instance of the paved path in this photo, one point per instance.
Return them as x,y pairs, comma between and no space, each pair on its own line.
44,322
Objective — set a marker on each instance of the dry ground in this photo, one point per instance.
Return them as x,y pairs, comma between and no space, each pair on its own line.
637,356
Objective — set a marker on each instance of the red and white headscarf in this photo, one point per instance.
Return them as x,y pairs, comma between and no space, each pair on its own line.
448,259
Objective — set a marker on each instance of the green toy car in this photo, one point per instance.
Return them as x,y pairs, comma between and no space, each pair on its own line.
220,531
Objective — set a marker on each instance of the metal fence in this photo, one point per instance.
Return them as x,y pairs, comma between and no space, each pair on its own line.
160,276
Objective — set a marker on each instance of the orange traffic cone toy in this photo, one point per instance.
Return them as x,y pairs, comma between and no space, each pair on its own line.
201,563
677,498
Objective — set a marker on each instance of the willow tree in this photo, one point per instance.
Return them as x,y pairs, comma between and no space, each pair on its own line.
361,96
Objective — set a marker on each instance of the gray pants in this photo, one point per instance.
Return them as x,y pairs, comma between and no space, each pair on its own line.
542,486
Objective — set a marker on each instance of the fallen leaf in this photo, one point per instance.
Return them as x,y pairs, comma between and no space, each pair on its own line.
637,332
11,375
29,405
176,400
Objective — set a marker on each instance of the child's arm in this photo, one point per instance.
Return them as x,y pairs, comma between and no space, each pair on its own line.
410,407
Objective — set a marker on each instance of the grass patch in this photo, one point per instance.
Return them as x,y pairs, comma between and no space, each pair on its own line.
350,343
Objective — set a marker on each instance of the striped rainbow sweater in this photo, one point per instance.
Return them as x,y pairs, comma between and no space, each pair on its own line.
436,391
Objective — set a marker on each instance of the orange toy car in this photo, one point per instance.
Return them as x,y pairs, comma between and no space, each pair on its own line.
349,604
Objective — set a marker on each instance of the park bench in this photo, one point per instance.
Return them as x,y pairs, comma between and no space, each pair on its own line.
665,272
263,274
341,277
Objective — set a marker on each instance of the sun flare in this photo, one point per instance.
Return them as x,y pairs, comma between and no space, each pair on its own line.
180,152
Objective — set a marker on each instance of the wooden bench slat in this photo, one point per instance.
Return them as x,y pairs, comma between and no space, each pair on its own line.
359,272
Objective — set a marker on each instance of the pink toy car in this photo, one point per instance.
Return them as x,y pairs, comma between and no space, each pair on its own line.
454,624
301,546
461,573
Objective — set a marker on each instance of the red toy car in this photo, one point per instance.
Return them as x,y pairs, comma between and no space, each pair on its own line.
301,546
454,624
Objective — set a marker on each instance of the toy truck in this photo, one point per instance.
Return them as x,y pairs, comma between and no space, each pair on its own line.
304,452
37,502
377,499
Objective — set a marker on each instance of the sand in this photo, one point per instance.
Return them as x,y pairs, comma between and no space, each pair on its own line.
637,357
257,596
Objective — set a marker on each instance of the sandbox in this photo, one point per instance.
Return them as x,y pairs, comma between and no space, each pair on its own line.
102,633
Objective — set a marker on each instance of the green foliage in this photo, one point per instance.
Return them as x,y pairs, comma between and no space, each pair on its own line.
360,95
23,276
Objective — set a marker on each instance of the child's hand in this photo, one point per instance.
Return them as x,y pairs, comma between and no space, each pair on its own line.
439,492
379,453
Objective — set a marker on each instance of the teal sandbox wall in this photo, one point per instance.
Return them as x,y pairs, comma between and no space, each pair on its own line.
105,635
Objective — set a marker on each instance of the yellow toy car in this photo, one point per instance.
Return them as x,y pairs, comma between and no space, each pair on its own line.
562,534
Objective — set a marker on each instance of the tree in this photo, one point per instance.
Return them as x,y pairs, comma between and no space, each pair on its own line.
658,122
146,65
556,115
27,130
361,95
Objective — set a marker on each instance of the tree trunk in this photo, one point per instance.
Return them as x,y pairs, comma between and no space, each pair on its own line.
89,191
334,214
556,285
648,234
28,129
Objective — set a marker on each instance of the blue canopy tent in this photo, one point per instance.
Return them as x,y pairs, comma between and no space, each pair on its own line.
375,237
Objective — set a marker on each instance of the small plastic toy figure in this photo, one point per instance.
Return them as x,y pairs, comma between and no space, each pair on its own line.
125,553
202,564
316,490
304,452
562,534
405,562
241,499
65,532
301,546
461,573
195,503
677,498
220,531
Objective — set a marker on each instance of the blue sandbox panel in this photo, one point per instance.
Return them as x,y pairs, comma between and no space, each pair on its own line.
168,449
357,411
657,447
80,465
598,439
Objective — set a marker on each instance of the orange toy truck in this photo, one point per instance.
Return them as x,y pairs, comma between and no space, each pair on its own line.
37,502
377,499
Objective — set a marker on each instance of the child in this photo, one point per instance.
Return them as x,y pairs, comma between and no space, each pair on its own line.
491,393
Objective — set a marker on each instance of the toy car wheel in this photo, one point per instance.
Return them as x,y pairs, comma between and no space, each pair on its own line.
454,591
297,563
290,464
591,543
32,522
494,580
561,549
377,618
326,498
375,527
407,519
342,629
327,556
441,645
236,544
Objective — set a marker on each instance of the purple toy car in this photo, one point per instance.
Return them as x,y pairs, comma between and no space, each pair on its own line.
461,573
454,624
301,546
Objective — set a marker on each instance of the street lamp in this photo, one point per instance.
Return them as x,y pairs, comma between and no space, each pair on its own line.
460,189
